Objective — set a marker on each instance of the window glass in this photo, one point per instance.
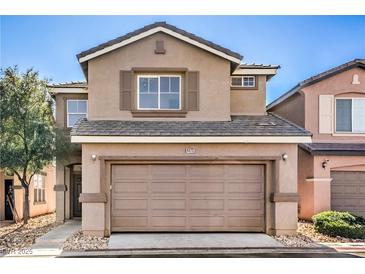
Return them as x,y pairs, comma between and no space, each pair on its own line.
162,92
81,107
249,81
343,115
169,100
175,84
237,81
73,118
358,115
165,84
72,106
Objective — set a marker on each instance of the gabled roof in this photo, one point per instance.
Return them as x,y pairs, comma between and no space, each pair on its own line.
152,29
319,77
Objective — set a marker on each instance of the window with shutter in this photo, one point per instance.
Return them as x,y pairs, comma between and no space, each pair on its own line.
193,90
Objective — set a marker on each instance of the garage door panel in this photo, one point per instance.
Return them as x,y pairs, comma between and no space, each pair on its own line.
237,204
206,171
244,221
188,198
130,204
168,221
207,221
131,187
245,187
168,204
168,187
207,187
348,191
211,204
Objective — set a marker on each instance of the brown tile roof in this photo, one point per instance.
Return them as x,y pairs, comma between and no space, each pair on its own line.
265,125
152,26
77,84
345,149
319,77
258,66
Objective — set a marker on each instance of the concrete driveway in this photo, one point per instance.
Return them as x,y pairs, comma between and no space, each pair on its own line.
135,241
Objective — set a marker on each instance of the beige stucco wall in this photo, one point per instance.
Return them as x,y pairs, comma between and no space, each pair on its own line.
338,85
250,101
214,71
281,216
292,109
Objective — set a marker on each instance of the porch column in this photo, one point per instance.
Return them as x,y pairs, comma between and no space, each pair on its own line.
60,189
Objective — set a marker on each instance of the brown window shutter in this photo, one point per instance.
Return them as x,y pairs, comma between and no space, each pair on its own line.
125,90
193,90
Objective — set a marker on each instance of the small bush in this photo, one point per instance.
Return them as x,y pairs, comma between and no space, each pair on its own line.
344,224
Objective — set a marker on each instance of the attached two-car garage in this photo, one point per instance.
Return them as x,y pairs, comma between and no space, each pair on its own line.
188,197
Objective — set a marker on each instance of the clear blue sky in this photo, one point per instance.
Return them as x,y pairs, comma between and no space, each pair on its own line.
302,45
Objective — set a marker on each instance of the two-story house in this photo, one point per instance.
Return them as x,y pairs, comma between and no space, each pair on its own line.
331,172
175,137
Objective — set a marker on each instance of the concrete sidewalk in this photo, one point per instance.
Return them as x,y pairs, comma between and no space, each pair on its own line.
50,244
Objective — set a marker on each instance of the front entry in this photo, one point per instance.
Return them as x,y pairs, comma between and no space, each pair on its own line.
76,191
9,198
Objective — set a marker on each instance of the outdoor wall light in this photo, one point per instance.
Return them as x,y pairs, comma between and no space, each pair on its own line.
93,157
325,163
284,157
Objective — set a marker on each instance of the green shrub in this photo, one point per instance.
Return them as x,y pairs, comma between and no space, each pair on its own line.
344,224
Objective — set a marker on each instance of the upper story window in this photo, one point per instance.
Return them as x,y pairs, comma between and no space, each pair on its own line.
76,109
162,92
350,115
243,81
39,188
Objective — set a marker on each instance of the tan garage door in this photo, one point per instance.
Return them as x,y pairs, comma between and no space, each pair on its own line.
348,191
187,198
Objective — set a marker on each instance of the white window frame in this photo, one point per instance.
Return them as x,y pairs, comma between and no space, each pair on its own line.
242,79
38,189
76,100
158,76
352,115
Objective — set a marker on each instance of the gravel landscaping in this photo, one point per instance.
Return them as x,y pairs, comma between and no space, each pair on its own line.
308,237
78,242
15,237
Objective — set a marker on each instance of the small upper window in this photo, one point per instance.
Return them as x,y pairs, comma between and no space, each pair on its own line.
243,81
76,110
39,188
350,115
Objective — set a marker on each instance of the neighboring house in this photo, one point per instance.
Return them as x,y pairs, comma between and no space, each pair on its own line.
175,137
41,194
331,171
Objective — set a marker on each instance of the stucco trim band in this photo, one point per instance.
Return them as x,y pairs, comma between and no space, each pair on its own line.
192,139
325,180
93,198
284,197
60,188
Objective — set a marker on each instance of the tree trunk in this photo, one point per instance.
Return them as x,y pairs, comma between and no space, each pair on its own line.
26,204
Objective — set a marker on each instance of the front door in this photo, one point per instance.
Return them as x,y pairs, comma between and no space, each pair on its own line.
9,198
76,207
